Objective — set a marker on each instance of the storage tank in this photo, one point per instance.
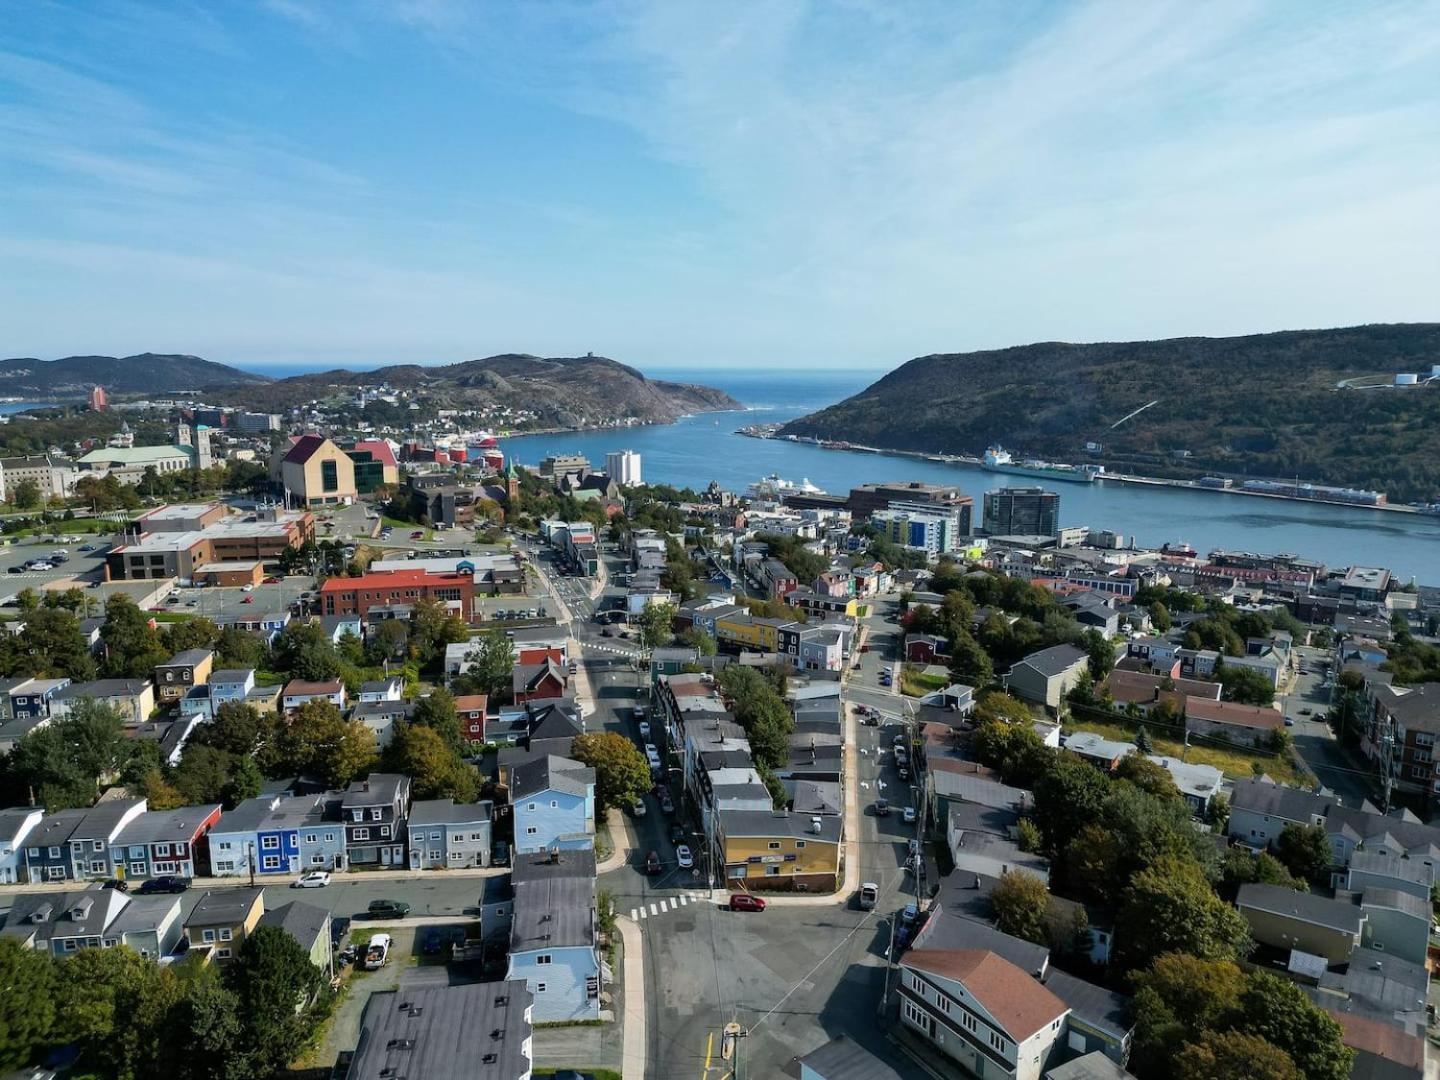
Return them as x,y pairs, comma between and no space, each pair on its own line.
1435,371
1406,380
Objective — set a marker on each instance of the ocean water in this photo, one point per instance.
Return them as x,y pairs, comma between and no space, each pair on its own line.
704,447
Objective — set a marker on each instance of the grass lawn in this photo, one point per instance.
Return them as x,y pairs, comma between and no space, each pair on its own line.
407,526
913,683
1232,762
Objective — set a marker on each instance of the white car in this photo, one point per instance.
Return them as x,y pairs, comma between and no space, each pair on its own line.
316,879
645,730
909,815
683,858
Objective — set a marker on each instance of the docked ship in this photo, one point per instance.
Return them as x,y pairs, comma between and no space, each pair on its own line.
775,487
998,460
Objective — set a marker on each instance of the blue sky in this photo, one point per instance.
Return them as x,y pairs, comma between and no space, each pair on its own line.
783,184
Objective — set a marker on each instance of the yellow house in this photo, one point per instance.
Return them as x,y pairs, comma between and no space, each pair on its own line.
316,472
780,850
741,629
222,920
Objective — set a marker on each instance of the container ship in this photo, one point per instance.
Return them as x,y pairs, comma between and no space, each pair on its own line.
998,460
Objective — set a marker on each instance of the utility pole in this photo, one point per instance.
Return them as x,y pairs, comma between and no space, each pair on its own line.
251,846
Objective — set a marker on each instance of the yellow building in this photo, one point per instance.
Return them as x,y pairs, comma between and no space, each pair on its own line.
780,850
316,472
750,632
222,920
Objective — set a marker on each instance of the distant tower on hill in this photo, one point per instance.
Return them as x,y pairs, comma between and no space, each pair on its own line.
98,401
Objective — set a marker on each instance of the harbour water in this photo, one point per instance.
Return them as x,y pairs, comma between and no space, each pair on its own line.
702,448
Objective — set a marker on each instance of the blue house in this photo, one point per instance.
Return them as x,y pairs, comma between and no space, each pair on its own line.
47,848
231,684
32,697
265,829
553,802
552,934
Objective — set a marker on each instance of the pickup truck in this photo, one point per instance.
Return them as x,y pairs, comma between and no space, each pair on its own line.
868,895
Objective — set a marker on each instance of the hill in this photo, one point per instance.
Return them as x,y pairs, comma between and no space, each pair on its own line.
147,373
565,391
1266,405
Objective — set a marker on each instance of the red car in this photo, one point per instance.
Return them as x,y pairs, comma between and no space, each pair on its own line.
417,535
272,581
741,901
248,600
652,863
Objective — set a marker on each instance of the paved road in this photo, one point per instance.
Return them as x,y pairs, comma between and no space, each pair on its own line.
1339,770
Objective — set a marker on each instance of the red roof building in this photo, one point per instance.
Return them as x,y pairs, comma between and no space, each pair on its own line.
357,595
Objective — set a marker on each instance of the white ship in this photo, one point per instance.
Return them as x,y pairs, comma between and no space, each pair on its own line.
775,487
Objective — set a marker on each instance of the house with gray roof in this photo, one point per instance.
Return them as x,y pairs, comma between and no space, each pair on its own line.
1396,923
1045,677
553,803
481,1031
444,833
552,934
1260,810
1288,919
62,923
842,1058
309,925
16,823
1092,1066
1099,1018
1370,869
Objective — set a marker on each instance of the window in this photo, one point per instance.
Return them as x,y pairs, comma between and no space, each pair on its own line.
71,945
772,871
329,837
207,936
997,1041
967,1021
166,867
543,958
317,860
162,851
225,933
97,866
531,807
915,1014
222,954
270,843
531,830
539,988
377,813
360,834
223,867
98,845
554,803
329,476
137,869
774,845
270,862
55,852
799,844
477,838
385,830
434,837
34,852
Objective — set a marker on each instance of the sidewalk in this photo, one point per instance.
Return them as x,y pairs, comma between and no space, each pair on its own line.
338,877
621,840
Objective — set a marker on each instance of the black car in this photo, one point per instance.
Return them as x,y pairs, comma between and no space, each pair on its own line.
16,570
387,909
165,884
119,884
677,834
432,941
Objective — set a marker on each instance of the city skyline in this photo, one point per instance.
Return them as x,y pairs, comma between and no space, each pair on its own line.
818,187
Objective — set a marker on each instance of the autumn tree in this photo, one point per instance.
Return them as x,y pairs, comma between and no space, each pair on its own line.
621,771
1170,907
1225,1055
436,771
1020,901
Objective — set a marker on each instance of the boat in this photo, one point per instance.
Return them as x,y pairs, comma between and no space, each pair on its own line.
1000,460
775,486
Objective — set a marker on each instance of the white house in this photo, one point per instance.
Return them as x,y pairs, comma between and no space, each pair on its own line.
15,824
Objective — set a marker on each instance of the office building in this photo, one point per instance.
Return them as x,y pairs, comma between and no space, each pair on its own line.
623,466
1022,511
865,499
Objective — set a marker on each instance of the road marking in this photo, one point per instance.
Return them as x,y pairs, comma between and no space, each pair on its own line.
634,915
653,911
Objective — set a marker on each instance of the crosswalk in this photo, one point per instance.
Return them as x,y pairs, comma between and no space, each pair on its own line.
612,649
660,907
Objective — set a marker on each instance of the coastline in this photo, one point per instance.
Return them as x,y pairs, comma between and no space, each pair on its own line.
1121,478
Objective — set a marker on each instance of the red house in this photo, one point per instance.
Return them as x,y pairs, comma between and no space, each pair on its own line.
473,709
537,682
927,649
357,595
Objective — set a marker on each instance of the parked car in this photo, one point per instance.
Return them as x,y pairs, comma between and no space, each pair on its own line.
683,857
882,808
500,855
1289,721
16,570
418,534
248,600
909,815
745,902
652,863
868,895
387,909
677,833
315,879
118,884
644,726
637,808
432,941
639,712
163,884
377,952
667,804
903,772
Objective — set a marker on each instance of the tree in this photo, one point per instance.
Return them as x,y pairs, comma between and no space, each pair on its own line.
1305,851
387,640
436,771
132,646
1224,1055
1027,835
1241,868
1092,864
657,622
1245,685
50,646
998,705
217,1039
1177,999
236,729
236,648
1020,901
1160,616
322,742
969,663
27,1008
26,495
1142,741
245,782
491,663
203,774
272,977
1279,1012
1067,797
159,793
621,771
1170,907
699,640
432,627
436,710
1148,776
306,652
1100,651
191,634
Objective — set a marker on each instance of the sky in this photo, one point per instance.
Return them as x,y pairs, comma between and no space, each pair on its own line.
781,185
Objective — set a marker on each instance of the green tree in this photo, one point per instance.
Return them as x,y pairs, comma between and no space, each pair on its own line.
306,652
272,977
217,1039
657,622
1142,741
432,627
323,743
1100,651
1067,797
237,729
158,792
27,1007
969,663
1028,837
1092,864
699,640
388,639
26,495
491,663
1177,999
203,774
1020,901
132,646
236,648
1305,851
50,646
621,772
436,710
1225,1055
244,783
1149,777
998,705
1279,1012
1245,685
1170,907
1160,617
436,771
191,634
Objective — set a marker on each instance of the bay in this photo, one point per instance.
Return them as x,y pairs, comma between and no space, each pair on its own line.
701,448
